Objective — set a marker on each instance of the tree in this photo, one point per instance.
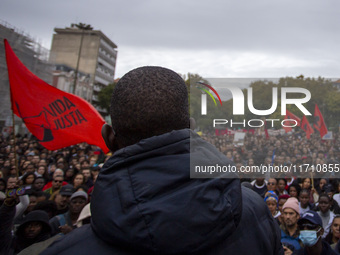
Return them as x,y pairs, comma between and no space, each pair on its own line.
82,26
104,97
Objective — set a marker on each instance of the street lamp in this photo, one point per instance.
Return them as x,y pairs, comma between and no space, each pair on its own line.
83,27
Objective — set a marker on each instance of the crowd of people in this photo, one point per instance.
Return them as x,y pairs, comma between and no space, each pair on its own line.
146,202
60,183
290,196
52,189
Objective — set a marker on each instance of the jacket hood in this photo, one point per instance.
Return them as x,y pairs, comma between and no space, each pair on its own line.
38,216
145,199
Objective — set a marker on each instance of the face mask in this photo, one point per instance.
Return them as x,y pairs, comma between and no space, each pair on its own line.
309,237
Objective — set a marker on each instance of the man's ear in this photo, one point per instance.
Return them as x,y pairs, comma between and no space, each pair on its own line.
109,137
321,232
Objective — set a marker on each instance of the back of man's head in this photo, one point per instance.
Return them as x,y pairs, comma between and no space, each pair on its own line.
148,101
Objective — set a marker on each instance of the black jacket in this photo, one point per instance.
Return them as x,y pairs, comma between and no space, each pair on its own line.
145,202
13,244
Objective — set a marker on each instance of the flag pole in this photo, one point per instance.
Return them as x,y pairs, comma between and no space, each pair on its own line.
13,122
312,180
14,144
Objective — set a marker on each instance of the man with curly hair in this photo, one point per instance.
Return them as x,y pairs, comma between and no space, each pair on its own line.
144,201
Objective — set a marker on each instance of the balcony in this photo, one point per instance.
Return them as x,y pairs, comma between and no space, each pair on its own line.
97,88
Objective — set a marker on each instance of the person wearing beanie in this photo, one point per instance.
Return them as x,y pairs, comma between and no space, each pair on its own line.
289,229
65,223
282,200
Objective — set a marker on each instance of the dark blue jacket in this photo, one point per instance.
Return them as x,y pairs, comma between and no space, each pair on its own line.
326,250
145,202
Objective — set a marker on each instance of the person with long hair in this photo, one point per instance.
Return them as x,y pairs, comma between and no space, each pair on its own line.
320,186
334,234
69,175
294,190
78,180
42,171
28,179
281,184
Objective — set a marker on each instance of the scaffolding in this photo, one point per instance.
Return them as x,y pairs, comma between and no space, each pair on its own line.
33,55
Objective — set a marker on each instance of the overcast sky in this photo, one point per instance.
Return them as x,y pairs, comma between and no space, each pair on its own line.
216,38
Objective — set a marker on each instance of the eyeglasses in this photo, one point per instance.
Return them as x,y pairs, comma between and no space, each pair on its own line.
271,183
58,181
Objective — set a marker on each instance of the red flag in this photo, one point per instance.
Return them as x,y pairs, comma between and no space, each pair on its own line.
306,127
319,122
288,129
266,130
58,119
290,115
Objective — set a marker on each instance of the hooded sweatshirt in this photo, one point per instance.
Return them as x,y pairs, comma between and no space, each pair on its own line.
145,202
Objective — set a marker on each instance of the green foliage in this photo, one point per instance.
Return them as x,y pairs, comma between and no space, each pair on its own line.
331,109
104,97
